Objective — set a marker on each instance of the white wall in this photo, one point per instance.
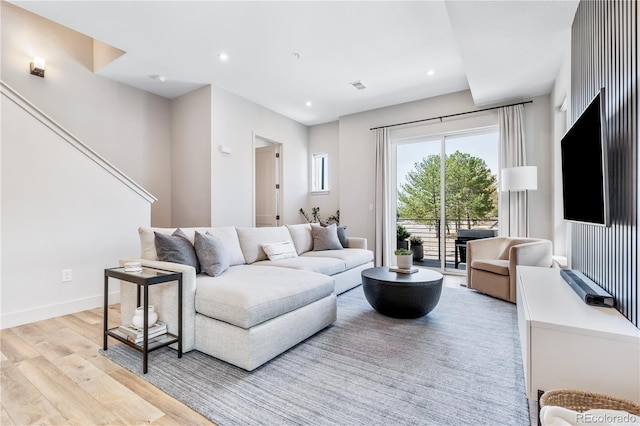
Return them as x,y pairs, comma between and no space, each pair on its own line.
191,159
357,153
129,127
235,121
325,138
60,210
560,123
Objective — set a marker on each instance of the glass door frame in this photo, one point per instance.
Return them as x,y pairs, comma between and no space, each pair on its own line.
442,138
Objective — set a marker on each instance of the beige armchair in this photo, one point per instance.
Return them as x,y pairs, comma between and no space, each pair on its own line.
491,263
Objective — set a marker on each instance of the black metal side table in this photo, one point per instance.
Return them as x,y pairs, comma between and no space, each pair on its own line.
143,279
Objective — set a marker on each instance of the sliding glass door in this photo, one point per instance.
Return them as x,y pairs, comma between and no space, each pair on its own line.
447,193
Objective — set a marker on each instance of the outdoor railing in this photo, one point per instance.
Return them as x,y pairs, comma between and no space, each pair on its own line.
429,231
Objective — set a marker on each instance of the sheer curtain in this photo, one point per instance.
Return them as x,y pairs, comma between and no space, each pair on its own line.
384,209
512,154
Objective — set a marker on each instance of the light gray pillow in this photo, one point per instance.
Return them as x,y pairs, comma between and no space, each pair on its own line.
176,248
214,257
325,238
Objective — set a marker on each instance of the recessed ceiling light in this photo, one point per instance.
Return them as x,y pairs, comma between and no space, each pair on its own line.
223,57
430,73
308,103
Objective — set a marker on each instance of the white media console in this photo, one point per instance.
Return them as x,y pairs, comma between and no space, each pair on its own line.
567,344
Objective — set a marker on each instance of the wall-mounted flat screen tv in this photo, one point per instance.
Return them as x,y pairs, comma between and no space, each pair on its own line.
585,177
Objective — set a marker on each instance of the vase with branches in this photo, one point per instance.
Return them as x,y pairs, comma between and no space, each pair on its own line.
315,216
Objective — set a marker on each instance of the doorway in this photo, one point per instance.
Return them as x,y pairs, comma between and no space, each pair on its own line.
267,183
447,185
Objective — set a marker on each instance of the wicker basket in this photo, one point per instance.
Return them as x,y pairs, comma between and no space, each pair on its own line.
581,401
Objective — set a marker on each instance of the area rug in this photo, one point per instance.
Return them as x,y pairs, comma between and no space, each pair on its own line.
460,365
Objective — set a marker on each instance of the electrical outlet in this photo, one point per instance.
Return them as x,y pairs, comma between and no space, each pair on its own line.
67,275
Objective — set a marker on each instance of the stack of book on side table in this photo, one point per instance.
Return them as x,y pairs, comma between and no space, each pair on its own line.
403,270
136,335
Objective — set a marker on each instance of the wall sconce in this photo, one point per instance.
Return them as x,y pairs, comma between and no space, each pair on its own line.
37,66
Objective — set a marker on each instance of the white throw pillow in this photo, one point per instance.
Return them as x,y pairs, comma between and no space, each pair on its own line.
282,250
301,236
251,240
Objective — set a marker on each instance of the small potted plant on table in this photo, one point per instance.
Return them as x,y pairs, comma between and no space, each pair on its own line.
404,258
416,247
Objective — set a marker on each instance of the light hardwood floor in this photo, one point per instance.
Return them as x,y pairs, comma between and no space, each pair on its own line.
53,374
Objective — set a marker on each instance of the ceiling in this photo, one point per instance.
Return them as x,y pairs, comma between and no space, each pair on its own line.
284,54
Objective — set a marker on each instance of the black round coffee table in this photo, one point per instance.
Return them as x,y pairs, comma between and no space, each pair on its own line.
400,295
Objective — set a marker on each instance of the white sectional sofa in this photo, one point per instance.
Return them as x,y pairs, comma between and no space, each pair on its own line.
256,308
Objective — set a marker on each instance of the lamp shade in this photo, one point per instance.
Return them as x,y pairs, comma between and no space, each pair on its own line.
524,178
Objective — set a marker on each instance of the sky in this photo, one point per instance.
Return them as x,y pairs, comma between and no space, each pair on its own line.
484,146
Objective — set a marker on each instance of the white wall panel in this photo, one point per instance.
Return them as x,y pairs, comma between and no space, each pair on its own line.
60,210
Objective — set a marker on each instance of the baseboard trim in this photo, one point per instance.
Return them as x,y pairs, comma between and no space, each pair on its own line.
14,319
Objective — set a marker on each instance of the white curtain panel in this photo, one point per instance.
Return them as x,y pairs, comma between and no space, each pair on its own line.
512,154
384,210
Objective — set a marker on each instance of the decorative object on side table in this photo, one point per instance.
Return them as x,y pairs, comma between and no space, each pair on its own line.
416,247
133,267
136,334
138,319
404,258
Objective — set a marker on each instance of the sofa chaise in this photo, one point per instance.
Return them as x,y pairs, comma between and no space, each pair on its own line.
265,301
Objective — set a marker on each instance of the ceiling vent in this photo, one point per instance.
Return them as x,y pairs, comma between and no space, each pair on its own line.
358,85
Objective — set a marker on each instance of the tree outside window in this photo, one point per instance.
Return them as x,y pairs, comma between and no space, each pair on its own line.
470,188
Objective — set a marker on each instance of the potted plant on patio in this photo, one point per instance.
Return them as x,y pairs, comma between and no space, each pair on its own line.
404,258
401,235
416,247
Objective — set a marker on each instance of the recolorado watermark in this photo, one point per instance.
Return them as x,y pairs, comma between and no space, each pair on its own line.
606,418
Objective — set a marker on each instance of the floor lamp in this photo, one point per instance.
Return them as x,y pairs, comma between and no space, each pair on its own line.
518,179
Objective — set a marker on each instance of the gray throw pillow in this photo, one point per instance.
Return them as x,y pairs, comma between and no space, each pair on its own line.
325,238
214,257
342,236
176,248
